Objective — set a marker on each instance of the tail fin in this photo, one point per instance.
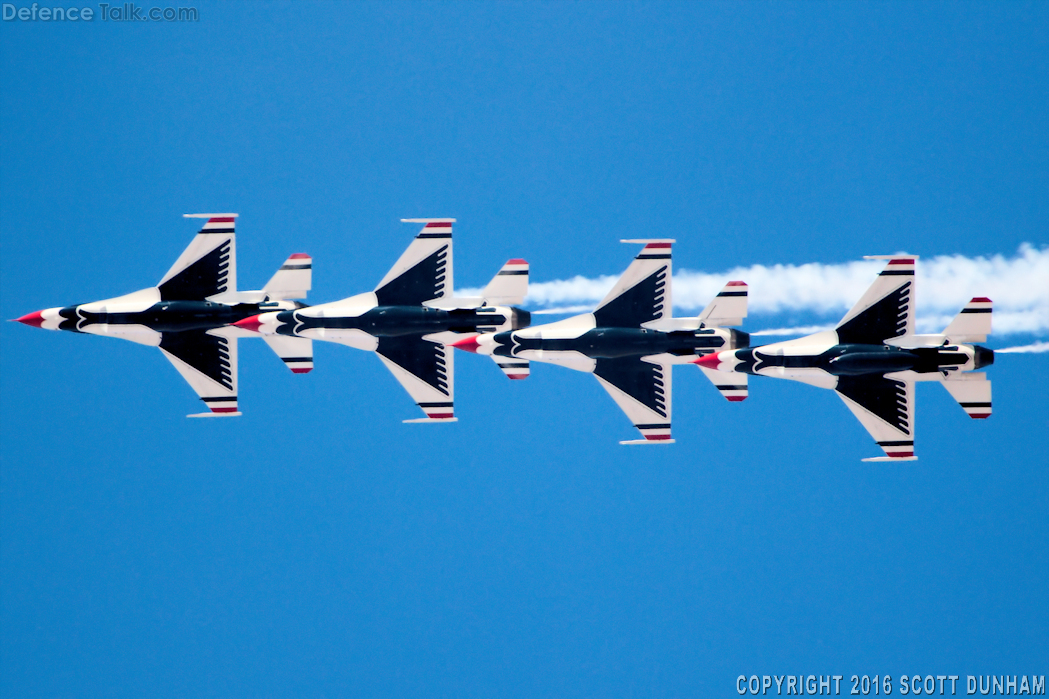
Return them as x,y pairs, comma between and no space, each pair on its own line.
973,324
509,286
973,393
295,352
887,309
208,266
424,271
729,307
642,294
293,280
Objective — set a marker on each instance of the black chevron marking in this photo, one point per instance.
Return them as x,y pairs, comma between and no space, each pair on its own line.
886,398
206,353
424,281
641,381
205,277
885,319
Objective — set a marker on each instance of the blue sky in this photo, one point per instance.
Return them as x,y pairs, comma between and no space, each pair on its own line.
316,546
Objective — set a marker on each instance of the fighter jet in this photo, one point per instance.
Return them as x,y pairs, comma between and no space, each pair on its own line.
409,316
630,342
873,358
187,313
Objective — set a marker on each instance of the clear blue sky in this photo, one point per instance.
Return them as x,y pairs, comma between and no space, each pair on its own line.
318,547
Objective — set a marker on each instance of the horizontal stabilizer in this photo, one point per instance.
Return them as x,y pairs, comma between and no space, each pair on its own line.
514,368
973,393
733,385
295,352
293,280
729,307
973,324
510,284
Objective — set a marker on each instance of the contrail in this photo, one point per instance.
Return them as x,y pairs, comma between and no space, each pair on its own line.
1025,349
1018,285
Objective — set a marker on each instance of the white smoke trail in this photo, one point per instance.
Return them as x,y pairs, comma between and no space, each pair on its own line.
1018,285
1025,349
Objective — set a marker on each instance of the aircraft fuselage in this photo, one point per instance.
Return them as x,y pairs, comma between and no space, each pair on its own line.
614,343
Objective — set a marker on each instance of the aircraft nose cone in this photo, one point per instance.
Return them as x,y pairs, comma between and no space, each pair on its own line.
709,361
33,319
250,323
467,344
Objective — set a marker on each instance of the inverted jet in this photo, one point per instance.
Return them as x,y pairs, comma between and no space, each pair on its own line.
409,316
188,313
630,342
873,358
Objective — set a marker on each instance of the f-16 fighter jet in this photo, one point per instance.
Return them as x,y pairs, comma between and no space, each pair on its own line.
873,358
630,342
408,316
186,314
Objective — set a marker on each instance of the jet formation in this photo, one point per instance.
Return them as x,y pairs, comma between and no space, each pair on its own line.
630,342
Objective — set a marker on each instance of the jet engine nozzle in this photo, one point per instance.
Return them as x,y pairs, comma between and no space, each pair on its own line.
519,318
738,339
983,357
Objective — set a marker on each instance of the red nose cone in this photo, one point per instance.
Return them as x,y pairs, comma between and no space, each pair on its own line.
34,319
709,361
250,323
467,344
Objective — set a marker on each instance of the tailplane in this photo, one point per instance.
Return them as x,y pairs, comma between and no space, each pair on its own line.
973,393
293,280
509,286
729,307
973,324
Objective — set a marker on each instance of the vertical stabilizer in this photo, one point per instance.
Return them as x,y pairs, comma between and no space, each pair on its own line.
729,307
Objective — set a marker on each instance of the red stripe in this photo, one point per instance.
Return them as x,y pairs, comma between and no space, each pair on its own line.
656,437
736,399
299,256
981,299
979,416
516,261
302,370
899,454
736,284
901,262
223,219
436,416
436,224
224,410
657,245
515,377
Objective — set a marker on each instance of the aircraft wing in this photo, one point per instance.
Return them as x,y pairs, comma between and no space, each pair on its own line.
641,389
207,360
886,409
425,369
